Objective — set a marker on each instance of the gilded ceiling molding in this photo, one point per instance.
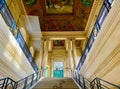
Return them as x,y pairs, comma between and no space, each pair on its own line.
65,34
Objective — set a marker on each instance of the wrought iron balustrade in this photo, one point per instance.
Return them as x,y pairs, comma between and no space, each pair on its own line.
25,83
96,83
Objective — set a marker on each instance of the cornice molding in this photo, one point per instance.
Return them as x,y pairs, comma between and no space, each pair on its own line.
81,35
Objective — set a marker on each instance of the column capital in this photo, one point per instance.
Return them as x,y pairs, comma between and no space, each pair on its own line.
73,41
45,39
70,39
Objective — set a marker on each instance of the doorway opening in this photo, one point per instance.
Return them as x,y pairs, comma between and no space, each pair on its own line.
47,71
58,70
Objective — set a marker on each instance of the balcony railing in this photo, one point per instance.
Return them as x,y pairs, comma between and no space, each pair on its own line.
25,83
8,18
95,31
96,83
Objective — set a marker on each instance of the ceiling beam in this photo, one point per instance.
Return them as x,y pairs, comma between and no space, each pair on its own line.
78,35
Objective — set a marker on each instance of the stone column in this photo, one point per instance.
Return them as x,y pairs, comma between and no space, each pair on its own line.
69,59
45,55
41,54
74,53
50,64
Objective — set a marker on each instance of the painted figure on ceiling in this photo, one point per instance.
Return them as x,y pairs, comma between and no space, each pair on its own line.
48,3
57,2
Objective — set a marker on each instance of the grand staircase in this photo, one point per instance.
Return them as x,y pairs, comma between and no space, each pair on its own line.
56,83
36,81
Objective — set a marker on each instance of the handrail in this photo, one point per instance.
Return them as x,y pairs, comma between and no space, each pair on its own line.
98,79
24,83
28,81
107,4
7,82
96,83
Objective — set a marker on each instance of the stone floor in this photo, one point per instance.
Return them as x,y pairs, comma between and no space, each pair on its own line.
56,83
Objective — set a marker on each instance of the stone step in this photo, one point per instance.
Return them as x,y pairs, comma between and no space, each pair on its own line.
56,83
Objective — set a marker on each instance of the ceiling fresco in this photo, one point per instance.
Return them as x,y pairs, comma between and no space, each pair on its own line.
53,17
58,43
77,43
59,6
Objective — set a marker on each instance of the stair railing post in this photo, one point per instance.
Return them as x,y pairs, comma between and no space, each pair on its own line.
16,84
26,79
6,83
98,83
84,83
92,84
42,72
36,76
79,78
32,79
76,76
73,74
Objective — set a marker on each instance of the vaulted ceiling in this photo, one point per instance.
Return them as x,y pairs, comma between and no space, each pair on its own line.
60,15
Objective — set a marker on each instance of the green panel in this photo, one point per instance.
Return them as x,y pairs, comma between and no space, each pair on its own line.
58,73
47,72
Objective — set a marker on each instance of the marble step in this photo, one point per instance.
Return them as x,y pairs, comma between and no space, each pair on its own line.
56,83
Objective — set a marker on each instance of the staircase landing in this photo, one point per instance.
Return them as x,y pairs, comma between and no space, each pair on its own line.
56,83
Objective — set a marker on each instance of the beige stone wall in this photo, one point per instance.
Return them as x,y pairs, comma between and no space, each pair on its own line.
13,62
104,58
37,58
79,54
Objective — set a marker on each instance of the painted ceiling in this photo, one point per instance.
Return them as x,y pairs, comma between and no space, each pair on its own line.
60,15
58,42
78,43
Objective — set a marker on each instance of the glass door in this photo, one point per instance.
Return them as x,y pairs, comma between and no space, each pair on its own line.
58,71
